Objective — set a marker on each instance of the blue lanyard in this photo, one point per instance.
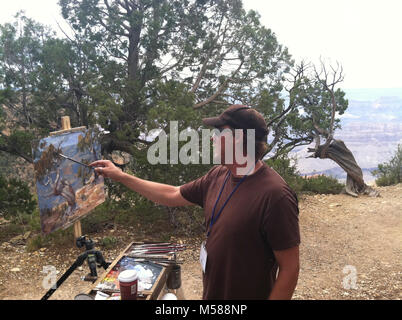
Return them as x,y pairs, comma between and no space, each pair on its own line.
227,200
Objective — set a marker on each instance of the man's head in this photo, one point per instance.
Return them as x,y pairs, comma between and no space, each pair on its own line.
243,117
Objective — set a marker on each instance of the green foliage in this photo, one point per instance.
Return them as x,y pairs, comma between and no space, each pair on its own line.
286,168
108,242
322,185
95,221
33,222
389,173
12,166
35,243
157,59
21,45
10,230
15,197
58,238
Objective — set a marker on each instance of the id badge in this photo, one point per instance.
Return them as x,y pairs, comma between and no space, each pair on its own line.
203,256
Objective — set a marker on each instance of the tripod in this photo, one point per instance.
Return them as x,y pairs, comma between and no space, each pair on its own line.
91,255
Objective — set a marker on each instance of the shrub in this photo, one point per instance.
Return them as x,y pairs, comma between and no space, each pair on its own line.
10,230
108,242
35,243
34,221
59,238
15,197
323,185
94,222
288,171
389,173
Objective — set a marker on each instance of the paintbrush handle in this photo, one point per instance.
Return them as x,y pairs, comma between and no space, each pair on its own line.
81,163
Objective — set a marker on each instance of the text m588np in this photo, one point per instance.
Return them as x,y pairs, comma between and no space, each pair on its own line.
212,309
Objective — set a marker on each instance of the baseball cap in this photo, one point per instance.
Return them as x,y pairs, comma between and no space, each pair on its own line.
240,116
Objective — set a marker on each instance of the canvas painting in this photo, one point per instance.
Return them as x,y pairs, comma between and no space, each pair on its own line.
67,188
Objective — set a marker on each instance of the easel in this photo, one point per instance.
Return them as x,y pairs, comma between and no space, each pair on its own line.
66,127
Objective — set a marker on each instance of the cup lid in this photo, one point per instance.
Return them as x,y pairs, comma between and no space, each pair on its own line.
127,276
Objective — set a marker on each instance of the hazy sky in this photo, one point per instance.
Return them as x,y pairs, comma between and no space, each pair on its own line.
363,35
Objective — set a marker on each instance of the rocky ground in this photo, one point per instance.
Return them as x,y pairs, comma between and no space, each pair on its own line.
351,249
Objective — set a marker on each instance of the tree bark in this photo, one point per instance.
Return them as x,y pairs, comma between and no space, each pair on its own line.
338,152
133,54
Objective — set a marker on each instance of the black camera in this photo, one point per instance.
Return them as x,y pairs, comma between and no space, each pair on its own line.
83,241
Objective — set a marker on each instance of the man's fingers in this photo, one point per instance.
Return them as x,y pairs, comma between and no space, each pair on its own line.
99,163
99,170
95,163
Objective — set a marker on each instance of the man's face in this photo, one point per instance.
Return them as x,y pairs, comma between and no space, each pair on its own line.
225,143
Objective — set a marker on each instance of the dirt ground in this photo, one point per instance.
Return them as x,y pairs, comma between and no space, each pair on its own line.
351,249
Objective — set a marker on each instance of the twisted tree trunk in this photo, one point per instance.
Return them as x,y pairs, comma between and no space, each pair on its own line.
337,151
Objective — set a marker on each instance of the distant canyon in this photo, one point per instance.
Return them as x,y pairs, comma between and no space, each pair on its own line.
371,129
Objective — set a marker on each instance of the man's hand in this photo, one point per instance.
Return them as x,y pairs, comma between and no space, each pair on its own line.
107,169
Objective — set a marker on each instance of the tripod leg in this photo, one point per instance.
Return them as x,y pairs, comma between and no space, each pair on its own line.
70,270
101,260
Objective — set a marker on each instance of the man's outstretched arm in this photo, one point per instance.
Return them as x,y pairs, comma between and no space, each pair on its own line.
160,193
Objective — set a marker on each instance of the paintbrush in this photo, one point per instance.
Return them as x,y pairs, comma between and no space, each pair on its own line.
68,158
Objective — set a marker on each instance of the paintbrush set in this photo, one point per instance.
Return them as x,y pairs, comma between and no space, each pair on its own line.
161,253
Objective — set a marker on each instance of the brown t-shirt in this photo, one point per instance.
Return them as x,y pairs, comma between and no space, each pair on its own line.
261,216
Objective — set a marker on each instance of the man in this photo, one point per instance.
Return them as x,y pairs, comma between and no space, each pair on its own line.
252,242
